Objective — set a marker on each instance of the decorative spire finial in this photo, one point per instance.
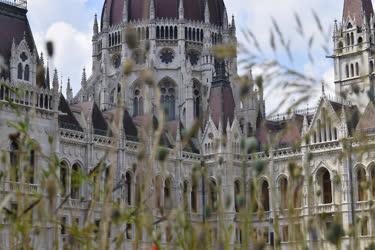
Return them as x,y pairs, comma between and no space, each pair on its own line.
96,26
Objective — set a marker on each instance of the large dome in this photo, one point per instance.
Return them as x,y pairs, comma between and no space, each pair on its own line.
139,9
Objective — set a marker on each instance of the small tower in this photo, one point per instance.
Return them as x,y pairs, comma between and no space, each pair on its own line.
95,26
84,79
206,12
181,11
353,43
69,92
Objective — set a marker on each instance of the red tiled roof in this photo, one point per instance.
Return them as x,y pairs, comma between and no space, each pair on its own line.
357,9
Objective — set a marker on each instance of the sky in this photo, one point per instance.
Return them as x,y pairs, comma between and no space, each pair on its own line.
68,24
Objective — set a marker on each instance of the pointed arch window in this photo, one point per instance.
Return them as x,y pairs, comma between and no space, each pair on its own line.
75,182
194,195
324,182
361,178
168,201
128,188
64,178
197,100
138,103
20,71
168,99
27,73
283,193
213,195
185,195
265,196
237,195
14,156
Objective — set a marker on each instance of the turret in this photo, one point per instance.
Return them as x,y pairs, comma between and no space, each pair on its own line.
95,26
181,11
84,79
125,12
48,82
206,12
69,92
152,9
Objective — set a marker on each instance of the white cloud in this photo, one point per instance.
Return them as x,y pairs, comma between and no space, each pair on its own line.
72,51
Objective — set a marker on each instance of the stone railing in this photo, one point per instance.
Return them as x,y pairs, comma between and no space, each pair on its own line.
325,208
323,146
103,140
191,156
9,186
72,135
363,205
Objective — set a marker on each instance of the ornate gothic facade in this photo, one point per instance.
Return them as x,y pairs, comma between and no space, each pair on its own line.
179,35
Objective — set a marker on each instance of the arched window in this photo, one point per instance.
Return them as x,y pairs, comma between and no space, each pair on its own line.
138,103
168,99
75,182
171,32
186,195
27,73
324,182
20,71
14,156
283,193
193,34
194,195
128,188
361,178
64,178
30,171
202,35
265,196
237,195
347,39
360,40
190,34
168,200
373,182
213,195
357,69
175,32
157,32
166,32
197,100
162,32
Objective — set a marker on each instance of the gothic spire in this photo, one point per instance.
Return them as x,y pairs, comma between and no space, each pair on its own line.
96,27
84,79
69,92
152,9
125,12
206,12
357,10
181,11
47,83
55,81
